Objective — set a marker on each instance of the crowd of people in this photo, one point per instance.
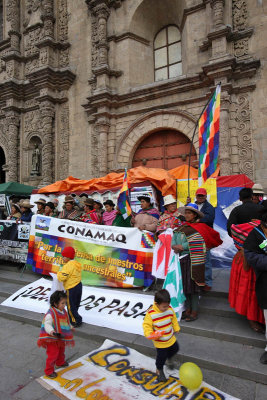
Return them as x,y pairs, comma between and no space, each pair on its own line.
192,238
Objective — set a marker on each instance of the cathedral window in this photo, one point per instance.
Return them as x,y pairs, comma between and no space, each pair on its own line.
167,53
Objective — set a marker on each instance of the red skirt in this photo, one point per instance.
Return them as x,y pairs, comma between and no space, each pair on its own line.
242,295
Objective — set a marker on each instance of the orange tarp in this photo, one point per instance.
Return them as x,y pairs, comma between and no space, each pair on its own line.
160,178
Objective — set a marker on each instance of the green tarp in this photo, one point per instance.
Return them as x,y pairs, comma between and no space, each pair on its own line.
15,188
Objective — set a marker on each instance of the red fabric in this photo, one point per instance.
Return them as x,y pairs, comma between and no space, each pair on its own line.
68,252
211,237
242,295
55,356
234,181
166,241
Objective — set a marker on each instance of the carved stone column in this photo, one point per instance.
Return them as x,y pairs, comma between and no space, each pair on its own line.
218,12
102,13
13,121
13,23
47,17
102,127
224,152
47,110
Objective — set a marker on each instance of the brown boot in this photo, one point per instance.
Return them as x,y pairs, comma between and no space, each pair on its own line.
191,317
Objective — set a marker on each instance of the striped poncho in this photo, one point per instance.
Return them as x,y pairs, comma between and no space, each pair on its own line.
61,324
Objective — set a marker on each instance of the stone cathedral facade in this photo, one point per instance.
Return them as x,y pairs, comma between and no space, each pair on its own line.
93,86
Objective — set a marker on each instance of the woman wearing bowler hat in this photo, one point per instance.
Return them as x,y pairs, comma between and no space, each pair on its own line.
41,203
69,212
146,218
89,215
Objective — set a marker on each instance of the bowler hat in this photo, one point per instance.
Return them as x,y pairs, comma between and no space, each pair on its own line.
69,199
40,201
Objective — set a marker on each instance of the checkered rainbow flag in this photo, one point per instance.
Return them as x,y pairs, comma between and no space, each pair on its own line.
209,131
124,199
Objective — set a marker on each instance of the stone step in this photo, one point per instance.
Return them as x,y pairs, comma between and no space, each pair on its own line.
217,306
17,276
232,358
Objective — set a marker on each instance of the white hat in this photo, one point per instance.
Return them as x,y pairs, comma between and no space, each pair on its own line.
168,200
257,188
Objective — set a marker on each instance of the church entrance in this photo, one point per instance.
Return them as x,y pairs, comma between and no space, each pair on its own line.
2,163
165,149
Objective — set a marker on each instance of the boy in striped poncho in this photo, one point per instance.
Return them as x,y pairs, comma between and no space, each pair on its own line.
160,324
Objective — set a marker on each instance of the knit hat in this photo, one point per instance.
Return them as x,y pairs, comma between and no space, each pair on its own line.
68,252
50,205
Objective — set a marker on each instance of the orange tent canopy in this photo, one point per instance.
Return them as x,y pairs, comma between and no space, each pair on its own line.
163,180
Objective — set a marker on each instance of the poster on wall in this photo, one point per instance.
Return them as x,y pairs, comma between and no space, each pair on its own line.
110,255
182,190
14,241
2,200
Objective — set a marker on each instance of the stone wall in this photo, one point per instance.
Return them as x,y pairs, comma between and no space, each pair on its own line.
79,80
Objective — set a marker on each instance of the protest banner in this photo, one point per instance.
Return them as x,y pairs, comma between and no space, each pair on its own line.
114,371
14,241
110,255
182,190
99,306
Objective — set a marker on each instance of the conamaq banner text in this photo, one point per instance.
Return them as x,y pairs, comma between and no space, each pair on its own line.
110,256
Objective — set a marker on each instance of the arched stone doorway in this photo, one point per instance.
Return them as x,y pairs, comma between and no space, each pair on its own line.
2,163
165,149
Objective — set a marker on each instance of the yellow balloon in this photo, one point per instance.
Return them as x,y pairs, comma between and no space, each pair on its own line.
190,375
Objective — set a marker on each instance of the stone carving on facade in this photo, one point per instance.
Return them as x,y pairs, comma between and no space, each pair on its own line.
218,12
32,122
94,38
241,48
13,121
12,14
63,19
64,58
224,156
63,161
47,111
31,6
32,37
31,65
240,14
36,161
244,139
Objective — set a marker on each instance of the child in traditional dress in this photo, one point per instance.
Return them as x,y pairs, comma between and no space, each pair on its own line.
56,333
71,276
160,324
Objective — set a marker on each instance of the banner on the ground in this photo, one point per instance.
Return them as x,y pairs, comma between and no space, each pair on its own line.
14,241
114,371
108,308
182,190
110,255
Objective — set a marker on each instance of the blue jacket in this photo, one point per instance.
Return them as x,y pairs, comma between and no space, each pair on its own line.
209,214
26,217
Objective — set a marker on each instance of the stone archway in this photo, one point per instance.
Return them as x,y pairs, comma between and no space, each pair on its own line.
179,121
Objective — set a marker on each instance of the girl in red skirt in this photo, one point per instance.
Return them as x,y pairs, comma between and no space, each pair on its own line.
56,333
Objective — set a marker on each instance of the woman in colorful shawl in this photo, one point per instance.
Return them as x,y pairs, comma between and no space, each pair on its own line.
242,294
171,218
89,215
191,241
146,218
69,212
110,214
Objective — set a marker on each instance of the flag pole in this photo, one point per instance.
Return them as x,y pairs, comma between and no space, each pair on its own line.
191,145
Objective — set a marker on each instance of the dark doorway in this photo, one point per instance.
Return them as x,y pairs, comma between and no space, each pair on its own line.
2,163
